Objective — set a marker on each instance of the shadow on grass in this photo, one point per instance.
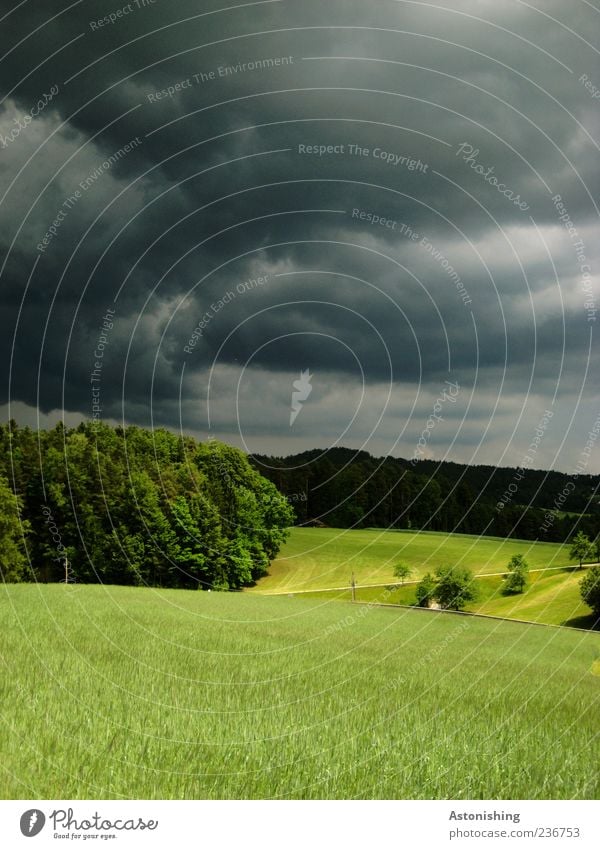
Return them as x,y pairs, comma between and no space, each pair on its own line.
587,623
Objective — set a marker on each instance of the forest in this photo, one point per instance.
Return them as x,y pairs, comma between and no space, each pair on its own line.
133,506
125,505
345,488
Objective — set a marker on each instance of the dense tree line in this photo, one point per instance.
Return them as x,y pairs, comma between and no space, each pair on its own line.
344,488
131,506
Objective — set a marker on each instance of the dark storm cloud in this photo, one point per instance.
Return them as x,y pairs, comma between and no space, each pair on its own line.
216,111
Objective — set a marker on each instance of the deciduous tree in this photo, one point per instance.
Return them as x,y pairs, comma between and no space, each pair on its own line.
581,548
454,587
590,589
516,579
13,561
402,571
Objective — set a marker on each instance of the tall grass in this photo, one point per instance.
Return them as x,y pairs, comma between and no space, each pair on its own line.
111,692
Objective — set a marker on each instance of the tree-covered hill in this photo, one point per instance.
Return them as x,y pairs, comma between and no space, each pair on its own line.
131,506
345,488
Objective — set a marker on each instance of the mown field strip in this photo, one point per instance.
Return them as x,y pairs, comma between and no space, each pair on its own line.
406,583
322,558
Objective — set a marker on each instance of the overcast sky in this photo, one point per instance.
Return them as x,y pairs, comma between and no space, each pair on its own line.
367,192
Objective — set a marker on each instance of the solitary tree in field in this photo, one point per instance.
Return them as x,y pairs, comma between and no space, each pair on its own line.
402,571
590,589
425,590
454,587
516,579
581,548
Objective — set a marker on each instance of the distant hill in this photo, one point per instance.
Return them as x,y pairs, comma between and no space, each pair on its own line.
344,488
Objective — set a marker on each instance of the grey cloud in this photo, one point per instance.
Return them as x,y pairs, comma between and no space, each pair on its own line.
417,81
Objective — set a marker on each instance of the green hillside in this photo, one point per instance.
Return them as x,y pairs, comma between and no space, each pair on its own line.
138,693
319,558
551,598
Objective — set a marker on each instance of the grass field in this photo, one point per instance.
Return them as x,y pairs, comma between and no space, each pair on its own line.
319,558
315,558
552,598
113,691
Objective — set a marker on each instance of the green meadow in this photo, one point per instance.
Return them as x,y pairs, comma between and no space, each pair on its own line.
111,692
322,558
551,598
308,564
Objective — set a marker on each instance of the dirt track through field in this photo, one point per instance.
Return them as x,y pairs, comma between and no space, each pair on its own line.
409,583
